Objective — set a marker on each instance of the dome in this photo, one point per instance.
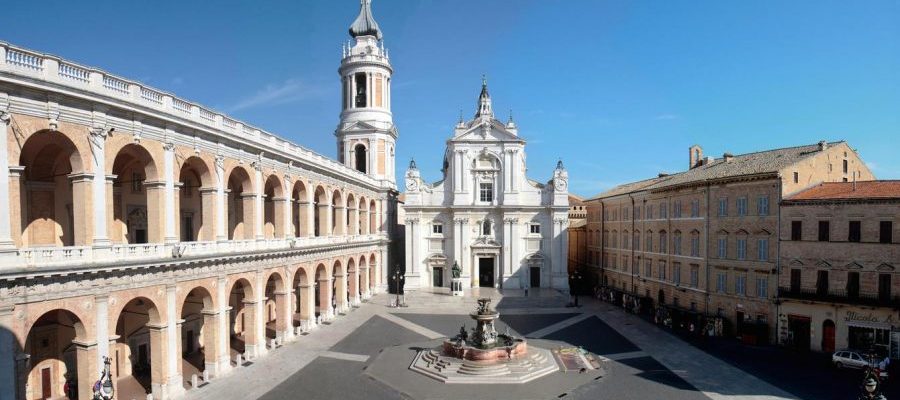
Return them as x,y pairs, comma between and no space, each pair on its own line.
365,24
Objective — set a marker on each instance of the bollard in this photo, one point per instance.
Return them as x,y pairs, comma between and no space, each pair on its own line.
194,382
205,375
149,396
237,360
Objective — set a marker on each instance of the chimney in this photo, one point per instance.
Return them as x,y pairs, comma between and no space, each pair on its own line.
823,145
695,156
728,156
662,175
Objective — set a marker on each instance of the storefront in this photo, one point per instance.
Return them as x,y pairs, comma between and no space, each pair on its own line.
827,327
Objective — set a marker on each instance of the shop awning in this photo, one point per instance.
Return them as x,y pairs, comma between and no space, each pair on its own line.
868,324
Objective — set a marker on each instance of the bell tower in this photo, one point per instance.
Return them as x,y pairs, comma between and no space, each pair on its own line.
366,136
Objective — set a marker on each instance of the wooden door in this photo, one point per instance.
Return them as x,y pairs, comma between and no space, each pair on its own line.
535,277
45,383
828,336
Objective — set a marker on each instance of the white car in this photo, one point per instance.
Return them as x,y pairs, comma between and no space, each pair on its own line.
855,359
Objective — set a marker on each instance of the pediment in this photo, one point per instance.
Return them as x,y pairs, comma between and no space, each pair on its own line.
885,267
485,241
487,130
796,263
361,126
823,264
854,265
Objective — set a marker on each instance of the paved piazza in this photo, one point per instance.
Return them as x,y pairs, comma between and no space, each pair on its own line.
638,361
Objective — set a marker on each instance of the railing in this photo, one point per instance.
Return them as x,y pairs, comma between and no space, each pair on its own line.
839,296
81,255
50,68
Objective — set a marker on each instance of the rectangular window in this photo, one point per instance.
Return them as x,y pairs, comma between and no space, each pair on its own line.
740,284
796,230
762,249
824,231
695,208
535,229
486,192
649,243
885,232
853,284
695,275
762,205
795,280
648,269
676,209
662,270
742,206
677,244
437,228
137,183
845,166
637,241
663,211
637,213
855,233
723,247
762,287
822,282
649,212
676,273
663,243
721,282
742,249
723,207
884,286
695,245
796,177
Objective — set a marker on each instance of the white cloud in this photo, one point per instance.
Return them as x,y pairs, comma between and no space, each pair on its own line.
288,91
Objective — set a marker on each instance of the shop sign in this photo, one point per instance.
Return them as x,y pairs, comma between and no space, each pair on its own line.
853,316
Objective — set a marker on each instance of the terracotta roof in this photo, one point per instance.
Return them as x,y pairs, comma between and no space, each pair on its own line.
860,190
757,163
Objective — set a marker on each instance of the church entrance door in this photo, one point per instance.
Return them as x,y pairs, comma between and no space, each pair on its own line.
437,276
486,272
535,275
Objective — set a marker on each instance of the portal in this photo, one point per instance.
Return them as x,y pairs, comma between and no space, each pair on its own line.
486,272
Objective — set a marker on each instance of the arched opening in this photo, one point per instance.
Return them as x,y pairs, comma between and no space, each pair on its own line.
359,152
373,279
321,208
373,220
363,216
273,208
242,319
323,291
352,221
363,277
196,199
828,336
339,287
53,346
304,305
198,333
338,223
240,205
51,214
300,212
137,197
352,282
274,307
139,352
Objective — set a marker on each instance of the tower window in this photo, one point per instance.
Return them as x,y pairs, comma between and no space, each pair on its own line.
361,94
359,155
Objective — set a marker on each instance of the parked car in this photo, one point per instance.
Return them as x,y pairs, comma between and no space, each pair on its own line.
859,360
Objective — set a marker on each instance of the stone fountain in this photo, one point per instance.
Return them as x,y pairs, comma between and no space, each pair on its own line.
484,356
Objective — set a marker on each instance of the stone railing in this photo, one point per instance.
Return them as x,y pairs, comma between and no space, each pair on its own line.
74,256
22,62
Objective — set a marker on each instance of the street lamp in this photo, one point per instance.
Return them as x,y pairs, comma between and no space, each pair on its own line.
398,284
103,388
574,282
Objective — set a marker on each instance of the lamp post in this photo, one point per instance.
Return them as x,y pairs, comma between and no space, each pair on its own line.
103,388
574,282
397,277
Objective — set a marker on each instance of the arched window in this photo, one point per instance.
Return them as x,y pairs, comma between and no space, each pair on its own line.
360,158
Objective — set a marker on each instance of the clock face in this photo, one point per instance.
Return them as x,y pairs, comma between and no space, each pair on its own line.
561,184
411,185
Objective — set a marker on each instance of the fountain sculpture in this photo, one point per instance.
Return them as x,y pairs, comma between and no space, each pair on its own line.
484,344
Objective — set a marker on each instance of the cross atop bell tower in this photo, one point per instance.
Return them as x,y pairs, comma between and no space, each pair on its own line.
366,135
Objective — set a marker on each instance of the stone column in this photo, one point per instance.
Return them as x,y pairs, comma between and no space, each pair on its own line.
259,325
97,140
354,219
156,210
211,342
6,241
324,219
288,209
283,316
325,309
307,225
208,199
340,221
82,189
280,210
412,264
287,313
251,328
223,335
307,308
353,286
170,199
248,205
340,296
8,345
158,361
258,203
87,366
15,207
173,339
364,220
220,209
101,312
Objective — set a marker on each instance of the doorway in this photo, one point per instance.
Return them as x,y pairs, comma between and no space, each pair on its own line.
46,385
828,336
798,331
535,277
485,272
437,276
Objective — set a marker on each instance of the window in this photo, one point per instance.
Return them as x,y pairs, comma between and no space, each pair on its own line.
695,275
795,280
796,177
676,244
662,270
762,205
695,245
762,249
637,241
649,242
486,227
740,284
137,182
845,166
534,229
637,213
796,230
822,282
855,233
663,211
884,286
762,287
676,273
649,212
723,207
486,192
853,284
663,243
648,269
723,247
437,228
625,237
360,90
721,282
742,206
625,215
676,209
824,231
742,248
885,232
695,208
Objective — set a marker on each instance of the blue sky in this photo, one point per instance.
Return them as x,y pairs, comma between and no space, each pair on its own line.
618,89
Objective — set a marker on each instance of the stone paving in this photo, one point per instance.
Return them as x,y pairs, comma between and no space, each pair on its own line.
643,361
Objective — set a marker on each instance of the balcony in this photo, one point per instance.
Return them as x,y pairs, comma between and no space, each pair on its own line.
39,259
839,296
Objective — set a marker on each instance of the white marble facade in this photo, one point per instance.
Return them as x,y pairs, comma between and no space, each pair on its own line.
502,228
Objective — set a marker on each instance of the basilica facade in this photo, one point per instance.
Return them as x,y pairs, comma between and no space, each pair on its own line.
485,215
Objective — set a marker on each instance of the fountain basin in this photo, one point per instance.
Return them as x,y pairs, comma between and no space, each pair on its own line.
452,348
